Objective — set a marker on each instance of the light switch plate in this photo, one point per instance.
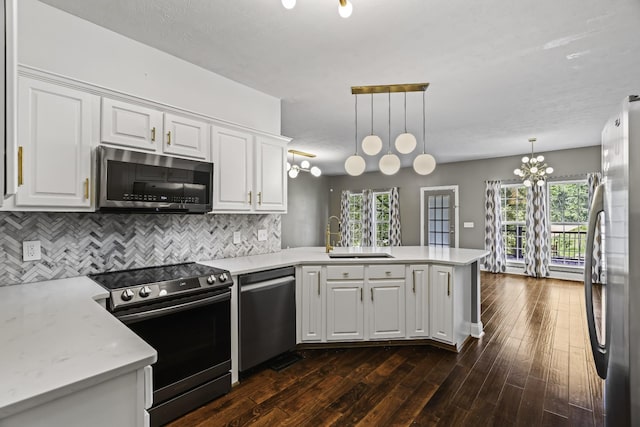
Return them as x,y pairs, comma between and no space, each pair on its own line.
31,250
262,235
237,238
469,225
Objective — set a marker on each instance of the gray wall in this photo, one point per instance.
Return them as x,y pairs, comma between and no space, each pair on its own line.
307,213
470,177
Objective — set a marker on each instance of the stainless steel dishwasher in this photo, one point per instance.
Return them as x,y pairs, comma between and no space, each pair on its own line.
267,315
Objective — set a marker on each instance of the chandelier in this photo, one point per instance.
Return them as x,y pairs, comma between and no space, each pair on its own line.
533,170
304,165
404,143
345,8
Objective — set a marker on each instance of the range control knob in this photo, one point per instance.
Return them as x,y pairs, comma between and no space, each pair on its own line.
211,279
223,277
145,291
127,294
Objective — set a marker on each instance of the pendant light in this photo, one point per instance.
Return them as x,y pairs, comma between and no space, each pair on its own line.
371,144
389,163
345,8
405,142
424,163
355,165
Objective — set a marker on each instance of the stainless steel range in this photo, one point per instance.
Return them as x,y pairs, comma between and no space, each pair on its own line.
184,312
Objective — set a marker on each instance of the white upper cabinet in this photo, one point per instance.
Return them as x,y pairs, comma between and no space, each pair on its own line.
249,172
143,128
185,137
232,156
130,125
271,174
57,128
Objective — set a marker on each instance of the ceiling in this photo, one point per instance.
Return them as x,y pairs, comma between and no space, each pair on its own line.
500,71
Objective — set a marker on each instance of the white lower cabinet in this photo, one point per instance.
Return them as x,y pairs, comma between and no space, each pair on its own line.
93,406
345,310
386,306
311,304
57,128
441,307
417,301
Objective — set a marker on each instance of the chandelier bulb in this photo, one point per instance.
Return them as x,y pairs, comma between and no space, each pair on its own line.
534,170
540,183
525,159
293,173
517,172
540,159
315,171
305,164
549,170
527,183
345,8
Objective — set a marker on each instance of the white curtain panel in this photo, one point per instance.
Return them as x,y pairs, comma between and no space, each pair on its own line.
368,221
496,261
395,238
345,229
597,270
537,253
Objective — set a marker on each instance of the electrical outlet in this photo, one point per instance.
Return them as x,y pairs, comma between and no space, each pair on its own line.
237,238
31,250
469,225
262,235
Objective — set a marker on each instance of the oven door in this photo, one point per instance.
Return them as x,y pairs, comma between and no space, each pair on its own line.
192,338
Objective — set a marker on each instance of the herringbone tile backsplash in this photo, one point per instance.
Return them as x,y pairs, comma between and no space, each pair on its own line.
76,244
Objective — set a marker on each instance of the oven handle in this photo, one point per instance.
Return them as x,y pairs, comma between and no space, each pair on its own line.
150,314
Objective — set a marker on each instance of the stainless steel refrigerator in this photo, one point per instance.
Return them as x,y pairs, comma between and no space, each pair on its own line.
613,308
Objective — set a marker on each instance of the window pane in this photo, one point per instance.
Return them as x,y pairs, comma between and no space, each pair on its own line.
568,205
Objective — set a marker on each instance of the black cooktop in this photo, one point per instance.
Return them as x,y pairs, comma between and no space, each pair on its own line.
144,276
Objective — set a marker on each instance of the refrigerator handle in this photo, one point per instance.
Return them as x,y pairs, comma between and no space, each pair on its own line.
600,351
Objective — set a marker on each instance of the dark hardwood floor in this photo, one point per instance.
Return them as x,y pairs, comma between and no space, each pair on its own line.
533,367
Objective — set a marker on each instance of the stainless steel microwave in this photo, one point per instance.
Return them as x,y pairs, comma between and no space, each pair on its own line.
133,181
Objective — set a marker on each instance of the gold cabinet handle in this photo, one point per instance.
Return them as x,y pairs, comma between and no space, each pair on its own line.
414,281
448,284
318,283
260,198
249,197
153,134
169,138
371,294
360,294
20,176
86,188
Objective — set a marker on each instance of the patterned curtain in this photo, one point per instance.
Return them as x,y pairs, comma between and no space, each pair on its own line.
368,221
597,272
394,218
496,261
345,229
537,253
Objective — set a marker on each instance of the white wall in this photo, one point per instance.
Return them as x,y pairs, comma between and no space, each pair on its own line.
61,43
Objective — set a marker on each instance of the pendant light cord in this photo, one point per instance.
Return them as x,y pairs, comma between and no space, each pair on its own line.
371,114
405,112
389,123
356,125
424,127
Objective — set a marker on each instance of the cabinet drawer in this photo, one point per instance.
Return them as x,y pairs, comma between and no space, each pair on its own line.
345,272
389,271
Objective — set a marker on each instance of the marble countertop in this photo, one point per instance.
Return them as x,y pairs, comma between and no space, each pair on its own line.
317,255
55,339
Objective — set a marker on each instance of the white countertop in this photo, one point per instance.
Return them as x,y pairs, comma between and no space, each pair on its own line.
56,339
317,255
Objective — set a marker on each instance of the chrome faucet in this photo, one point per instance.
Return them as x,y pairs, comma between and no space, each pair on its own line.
328,234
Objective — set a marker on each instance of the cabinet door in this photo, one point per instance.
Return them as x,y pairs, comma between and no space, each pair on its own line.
387,315
441,307
311,304
232,156
417,294
271,175
345,311
184,136
131,125
57,128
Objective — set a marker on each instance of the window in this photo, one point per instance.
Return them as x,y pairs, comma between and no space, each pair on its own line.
514,210
569,213
381,218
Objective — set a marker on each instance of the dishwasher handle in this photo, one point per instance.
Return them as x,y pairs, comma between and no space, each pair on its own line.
268,284
266,275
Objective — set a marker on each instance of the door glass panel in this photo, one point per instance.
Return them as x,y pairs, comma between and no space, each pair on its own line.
439,210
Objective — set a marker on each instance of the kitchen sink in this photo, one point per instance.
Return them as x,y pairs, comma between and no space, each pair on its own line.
359,255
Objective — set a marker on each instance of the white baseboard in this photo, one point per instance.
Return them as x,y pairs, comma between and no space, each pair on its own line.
477,330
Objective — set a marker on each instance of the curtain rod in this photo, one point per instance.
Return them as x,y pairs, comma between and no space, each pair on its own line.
549,178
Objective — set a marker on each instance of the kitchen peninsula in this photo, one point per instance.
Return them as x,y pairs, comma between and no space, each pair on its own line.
412,292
